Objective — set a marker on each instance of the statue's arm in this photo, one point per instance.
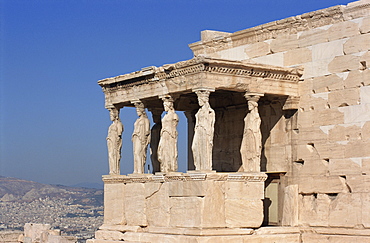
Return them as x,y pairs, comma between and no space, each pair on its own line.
120,129
147,129
109,132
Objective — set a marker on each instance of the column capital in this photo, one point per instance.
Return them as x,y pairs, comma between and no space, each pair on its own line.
203,89
252,96
203,93
112,107
138,103
171,97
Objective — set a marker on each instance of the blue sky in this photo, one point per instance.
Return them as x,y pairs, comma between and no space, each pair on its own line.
53,122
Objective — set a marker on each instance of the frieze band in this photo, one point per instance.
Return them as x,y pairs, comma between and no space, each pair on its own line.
198,65
243,177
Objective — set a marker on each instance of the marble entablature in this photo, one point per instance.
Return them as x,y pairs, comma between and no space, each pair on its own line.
197,73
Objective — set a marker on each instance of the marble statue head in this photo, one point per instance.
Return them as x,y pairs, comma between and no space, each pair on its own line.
140,109
203,97
114,114
167,103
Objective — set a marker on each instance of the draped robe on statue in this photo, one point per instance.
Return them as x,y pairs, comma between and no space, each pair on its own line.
167,149
140,140
203,138
114,143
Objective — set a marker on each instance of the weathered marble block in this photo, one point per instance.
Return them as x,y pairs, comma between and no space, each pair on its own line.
214,200
115,213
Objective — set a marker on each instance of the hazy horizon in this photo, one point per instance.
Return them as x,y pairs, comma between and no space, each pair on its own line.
53,123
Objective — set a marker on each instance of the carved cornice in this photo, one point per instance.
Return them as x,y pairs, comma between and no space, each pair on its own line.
199,65
291,25
243,177
288,26
357,9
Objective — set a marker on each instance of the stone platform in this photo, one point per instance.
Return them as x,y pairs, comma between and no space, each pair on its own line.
242,235
181,206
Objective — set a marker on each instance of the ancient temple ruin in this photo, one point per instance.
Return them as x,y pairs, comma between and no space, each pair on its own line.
278,135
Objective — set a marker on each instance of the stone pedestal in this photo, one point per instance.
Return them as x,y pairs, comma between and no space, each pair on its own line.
182,205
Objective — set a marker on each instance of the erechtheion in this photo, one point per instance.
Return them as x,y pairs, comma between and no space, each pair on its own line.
278,137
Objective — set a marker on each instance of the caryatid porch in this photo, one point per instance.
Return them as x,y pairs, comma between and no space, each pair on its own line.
224,185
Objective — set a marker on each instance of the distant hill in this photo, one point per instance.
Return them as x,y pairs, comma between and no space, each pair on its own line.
14,189
89,185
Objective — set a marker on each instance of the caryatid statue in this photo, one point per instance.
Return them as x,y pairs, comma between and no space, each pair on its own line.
203,132
167,149
140,138
252,139
114,142
155,135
